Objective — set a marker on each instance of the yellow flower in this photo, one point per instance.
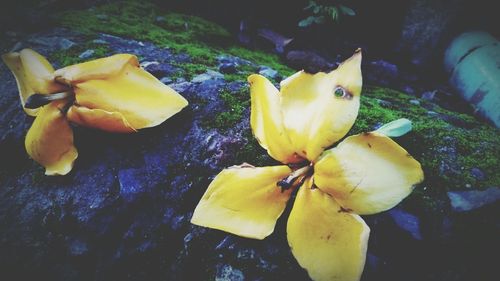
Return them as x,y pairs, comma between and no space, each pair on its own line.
112,94
365,174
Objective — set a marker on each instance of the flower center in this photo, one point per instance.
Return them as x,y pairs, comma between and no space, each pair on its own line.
297,177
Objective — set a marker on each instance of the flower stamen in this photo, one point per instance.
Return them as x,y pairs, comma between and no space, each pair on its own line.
38,100
297,177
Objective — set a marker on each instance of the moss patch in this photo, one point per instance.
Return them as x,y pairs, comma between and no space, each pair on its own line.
448,144
71,55
202,40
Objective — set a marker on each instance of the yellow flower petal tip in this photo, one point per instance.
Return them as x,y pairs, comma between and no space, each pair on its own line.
50,140
244,201
319,109
33,74
326,241
267,122
368,173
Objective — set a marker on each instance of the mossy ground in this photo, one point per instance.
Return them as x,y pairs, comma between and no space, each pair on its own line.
447,144
202,40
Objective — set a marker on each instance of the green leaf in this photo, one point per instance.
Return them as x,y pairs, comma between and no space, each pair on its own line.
395,128
335,14
347,11
319,20
307,21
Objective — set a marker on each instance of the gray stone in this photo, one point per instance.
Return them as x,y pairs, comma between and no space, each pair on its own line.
268,72
381,72
99,41
209,75
87,54
228,68
78,248
429,95
131,183
180,87
462,201
478,174
227,273
102,16
407,222
166,80
53,42
415,102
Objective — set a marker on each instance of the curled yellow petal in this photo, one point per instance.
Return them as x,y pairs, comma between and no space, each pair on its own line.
118,84
245,201
267,122
33,74
328,242
367,173
50,140
319,109
99,119
101,68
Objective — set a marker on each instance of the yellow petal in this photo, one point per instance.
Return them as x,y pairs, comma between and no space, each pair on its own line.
118,84
267,122
33,74
313,115
50,140
367,173
244,201
328,242
95,69
99,119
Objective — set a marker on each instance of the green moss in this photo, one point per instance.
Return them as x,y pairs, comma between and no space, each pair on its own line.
236,103
447,152
71,55
202,40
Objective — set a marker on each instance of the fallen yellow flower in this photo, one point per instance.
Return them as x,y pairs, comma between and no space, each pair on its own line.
112,94
365,174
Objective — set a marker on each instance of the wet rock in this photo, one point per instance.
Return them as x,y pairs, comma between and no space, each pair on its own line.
86,54
228,273
478,174
228,68
78,248
52,42
415,102
208,75
425,26
222,59
429,95
158,69
462,201
132,182
407,222
381,72
180,87
309,61
102,17
166,80
268,72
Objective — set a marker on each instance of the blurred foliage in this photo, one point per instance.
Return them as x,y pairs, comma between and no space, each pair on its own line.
325,10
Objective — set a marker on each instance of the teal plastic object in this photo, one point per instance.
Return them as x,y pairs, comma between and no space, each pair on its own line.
473,61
